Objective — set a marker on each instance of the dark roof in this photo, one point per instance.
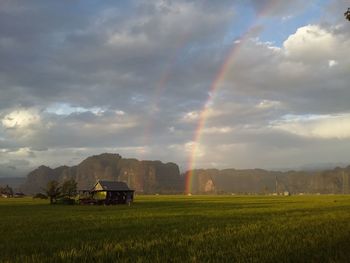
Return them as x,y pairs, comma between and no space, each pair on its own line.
113,186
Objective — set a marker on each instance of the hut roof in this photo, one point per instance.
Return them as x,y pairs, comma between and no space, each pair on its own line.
111,186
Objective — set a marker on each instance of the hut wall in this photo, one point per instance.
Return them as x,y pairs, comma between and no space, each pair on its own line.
100,195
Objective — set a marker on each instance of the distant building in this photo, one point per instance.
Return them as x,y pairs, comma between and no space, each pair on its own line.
109,193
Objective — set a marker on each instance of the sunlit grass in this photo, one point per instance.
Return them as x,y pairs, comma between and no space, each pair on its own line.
179,229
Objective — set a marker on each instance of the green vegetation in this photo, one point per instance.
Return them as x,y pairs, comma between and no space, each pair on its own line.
179,229
60,194
69,188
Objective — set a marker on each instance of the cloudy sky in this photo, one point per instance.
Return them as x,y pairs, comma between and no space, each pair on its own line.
244,84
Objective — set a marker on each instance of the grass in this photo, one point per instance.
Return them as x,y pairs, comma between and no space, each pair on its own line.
179,229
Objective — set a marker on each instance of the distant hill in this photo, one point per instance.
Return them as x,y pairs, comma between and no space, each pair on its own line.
334,181
142,176
13,182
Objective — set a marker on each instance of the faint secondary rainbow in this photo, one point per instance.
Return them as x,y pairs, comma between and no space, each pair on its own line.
161,85
216,84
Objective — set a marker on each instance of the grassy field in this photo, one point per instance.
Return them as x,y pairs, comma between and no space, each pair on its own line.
179,229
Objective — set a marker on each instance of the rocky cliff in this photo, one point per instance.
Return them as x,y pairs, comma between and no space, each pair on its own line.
336,181
142,176
158,177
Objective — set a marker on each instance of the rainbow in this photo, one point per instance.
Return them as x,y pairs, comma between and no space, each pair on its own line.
216,84
160,86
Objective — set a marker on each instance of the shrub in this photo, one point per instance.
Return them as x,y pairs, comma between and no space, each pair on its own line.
40,196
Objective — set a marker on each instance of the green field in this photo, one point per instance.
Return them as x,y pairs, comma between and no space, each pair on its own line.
179,229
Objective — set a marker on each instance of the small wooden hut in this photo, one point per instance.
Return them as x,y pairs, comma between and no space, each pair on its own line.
109,193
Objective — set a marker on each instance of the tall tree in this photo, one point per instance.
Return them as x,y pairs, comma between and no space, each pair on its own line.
69,188
53,190
347,14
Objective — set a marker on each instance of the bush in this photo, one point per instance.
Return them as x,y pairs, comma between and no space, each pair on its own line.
40,196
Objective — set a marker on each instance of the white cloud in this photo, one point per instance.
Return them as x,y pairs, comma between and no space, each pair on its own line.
191,116
332,63
319,126
66,109
126,40
21,118
310,43
120,112
286,18
191,148
217,130
24,152
208,112
194,148
268,104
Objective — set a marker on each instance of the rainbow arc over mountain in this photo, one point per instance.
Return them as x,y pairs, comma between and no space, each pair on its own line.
269,7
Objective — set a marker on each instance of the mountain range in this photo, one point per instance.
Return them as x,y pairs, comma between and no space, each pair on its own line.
335,181
142,176
150,177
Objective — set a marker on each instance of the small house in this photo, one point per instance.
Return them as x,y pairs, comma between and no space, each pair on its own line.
110,193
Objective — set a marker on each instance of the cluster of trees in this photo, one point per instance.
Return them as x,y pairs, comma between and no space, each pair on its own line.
7,190
347,14
68,190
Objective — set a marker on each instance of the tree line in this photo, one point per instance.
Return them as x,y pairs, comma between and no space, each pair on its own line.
6,191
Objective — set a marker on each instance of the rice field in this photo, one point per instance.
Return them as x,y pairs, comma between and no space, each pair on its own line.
179,229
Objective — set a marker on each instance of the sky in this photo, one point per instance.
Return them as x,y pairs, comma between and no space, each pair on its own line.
204,84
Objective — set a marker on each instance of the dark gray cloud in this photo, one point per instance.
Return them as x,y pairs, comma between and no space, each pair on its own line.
99,58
